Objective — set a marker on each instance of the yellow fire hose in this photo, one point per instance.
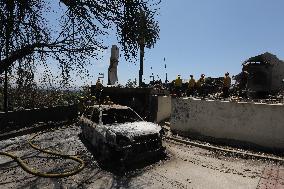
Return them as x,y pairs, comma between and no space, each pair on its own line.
35,172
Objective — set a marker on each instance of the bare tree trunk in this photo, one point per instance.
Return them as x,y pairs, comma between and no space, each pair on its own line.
9,29
5,105
141,64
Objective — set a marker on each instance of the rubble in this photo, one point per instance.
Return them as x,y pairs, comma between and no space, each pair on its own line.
261,76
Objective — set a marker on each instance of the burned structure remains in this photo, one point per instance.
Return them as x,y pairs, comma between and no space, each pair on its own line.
112,70
262,75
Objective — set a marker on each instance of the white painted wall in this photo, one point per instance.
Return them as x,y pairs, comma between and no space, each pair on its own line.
164,108
261,124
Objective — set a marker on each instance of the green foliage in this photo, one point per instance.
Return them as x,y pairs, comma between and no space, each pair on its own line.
37,97
131,84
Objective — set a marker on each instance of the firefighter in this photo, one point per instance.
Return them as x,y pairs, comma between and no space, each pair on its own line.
98,89
93,99
107,100
99,84
191,86
81,105
178,86
200,85
226,85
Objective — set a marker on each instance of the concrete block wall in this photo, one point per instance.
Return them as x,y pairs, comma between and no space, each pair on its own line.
259,124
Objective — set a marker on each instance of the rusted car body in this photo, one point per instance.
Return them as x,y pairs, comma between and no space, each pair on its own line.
117,132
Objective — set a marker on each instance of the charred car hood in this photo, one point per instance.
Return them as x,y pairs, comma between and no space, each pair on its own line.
130,130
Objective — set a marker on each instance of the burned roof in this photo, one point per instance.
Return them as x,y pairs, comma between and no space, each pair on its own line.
265,58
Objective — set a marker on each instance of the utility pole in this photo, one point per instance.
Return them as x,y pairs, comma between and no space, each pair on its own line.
166,80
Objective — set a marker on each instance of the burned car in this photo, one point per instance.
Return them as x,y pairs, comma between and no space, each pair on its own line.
118,132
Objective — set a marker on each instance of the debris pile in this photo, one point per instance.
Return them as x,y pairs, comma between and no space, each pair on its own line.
261,80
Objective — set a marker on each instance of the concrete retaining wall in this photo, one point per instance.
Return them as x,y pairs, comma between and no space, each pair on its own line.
164,108
259,124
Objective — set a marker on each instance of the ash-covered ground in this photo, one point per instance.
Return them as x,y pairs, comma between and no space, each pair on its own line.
185,167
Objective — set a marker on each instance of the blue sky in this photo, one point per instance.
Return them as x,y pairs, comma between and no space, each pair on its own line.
205,36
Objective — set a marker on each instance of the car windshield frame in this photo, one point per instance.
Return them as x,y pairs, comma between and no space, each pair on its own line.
118,116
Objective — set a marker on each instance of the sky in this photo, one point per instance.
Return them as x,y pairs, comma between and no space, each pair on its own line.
203,36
